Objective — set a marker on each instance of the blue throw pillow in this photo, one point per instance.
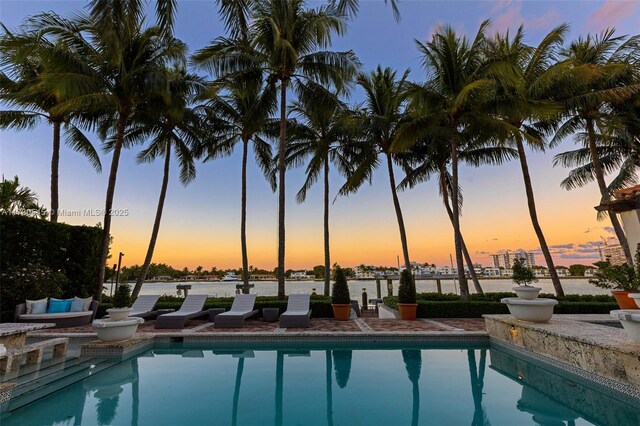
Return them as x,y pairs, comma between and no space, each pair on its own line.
77,305
59,306
39,307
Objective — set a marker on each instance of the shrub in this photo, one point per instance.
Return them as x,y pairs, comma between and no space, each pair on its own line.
33,281
122,296
521,274
407,289
68,254
622,277
340,290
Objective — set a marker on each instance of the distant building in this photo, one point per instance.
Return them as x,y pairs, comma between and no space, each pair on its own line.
507,272
590,272
540,271
161,278
614,253
301,275
491,272
562,271
262,277
364,272
189,277
506,259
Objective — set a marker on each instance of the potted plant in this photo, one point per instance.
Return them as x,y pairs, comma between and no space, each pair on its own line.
407,297
623,279
340,298
524,276
121,299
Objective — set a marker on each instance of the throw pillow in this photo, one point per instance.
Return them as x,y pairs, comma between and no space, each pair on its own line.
30,303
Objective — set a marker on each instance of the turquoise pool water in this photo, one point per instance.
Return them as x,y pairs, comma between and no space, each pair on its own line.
327,385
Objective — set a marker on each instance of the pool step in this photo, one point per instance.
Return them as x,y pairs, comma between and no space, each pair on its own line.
47,382
30,372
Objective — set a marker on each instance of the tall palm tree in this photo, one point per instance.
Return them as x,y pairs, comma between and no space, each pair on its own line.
380,120
523,101
23,57
287,40
241,115
459,89
172,124
120,63
324,137
433,156
598,71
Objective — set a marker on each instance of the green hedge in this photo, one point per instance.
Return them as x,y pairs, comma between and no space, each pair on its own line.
73,251
434,305
320,305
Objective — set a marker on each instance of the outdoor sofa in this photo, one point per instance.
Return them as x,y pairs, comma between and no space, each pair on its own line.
60,319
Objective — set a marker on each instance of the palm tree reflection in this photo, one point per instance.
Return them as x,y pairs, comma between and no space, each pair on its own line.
413,364
477,385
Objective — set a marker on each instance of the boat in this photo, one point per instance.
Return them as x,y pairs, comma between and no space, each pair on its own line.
231,276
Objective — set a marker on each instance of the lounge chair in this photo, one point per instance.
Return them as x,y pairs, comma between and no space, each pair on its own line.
241,309
143,307
191,308
298,314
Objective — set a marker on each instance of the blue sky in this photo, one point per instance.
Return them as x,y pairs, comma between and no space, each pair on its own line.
201,222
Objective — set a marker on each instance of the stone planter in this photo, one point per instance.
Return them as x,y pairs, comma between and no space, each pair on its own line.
114,331
636,297
408,311
341,312
537,310
119,314
630,320
527,292
623,299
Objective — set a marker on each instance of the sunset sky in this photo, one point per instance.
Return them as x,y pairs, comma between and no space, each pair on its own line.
201,222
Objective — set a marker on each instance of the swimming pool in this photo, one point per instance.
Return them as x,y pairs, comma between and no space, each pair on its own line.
329,384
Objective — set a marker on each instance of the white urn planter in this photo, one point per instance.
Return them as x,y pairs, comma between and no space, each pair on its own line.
537,310
636,298
110,330
118,314
527,292
630,320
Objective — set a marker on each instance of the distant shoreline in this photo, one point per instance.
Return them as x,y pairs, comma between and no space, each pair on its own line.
322,280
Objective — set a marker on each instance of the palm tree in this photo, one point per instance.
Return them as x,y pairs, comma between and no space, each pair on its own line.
24,58
286,41
433,156
380,120
523,100
323,136
241,115
173,125
17,199
119,64
599,71
458,90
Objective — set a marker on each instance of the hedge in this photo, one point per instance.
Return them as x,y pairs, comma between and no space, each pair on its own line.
73,251
320,305
450,305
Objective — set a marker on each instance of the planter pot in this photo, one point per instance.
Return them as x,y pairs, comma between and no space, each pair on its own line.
623,299
408,311
119,314
114,331
341,312
630,320
537,310
527,292
636,298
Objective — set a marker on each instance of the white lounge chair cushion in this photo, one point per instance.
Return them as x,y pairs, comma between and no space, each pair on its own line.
86,301
56,316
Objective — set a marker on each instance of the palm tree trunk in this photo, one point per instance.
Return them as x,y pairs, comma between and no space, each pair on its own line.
327,254
243,219
604,192
531,202
464,286
55,162
465,252
396,204
111,187
156,225
281,192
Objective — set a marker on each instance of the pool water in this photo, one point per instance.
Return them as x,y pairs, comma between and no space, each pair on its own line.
327,385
